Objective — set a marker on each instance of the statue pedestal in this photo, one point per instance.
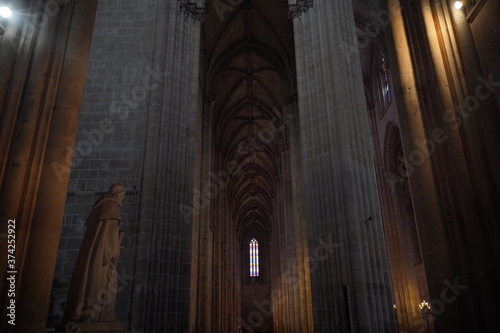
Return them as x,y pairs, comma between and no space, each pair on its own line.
91,328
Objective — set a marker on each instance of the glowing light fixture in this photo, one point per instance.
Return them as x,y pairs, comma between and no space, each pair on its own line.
5,12
425,309
458,4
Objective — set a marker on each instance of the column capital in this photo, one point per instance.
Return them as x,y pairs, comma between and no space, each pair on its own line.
192,10
292,98
302,6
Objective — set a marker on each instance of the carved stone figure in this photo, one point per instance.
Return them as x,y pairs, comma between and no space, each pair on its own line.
93,288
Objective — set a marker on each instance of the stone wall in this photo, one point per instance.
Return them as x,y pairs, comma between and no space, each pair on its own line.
111,136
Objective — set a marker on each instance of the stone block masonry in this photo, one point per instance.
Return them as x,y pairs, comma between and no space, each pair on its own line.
110,139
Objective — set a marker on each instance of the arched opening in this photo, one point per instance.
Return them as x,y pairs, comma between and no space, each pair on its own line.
248,83
407,267
253,258
256,302
409,285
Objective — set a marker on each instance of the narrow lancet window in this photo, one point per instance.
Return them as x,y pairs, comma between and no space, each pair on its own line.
254,258
386,89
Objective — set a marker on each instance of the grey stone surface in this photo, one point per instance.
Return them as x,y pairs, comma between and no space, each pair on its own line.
150,147
107,153
339,176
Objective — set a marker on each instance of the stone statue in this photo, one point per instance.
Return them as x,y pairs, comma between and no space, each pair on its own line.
93,288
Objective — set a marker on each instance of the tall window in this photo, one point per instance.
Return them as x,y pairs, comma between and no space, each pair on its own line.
386,89
254,258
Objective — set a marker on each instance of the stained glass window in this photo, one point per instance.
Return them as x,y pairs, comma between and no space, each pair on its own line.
386,90
254,258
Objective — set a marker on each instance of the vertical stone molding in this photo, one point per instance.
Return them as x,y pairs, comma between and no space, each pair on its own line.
456,205
161,299
41,115
342,207
421,180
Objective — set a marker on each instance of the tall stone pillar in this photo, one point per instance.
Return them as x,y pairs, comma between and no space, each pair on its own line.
430,224
201,313
161,299
348,266
449,131
301,315
41,110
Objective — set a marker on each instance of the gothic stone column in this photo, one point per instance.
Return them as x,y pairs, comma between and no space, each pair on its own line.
161,299
350,275
453,195
40,135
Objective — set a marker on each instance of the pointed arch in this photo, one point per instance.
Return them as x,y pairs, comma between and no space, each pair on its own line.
254,258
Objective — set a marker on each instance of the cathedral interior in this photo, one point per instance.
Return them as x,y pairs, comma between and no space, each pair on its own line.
290,166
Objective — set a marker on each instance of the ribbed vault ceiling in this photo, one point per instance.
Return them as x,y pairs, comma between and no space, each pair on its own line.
249,79
249,61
